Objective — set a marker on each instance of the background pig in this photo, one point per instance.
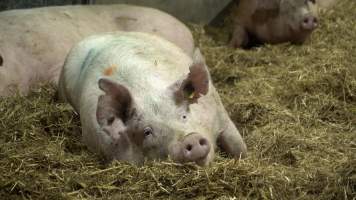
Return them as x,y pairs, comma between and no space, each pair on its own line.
34,42
141,97
273,21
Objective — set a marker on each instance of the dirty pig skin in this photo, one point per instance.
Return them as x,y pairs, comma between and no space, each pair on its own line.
35,42
140,97
273,21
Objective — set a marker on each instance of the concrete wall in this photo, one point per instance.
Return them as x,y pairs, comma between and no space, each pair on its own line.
197,11
17,4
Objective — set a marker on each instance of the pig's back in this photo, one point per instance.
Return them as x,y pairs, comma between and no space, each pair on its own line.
140,61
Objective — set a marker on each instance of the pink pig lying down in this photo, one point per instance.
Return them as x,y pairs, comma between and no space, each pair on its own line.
34,42
141,97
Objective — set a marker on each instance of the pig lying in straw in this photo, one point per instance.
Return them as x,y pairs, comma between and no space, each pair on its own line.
141,97
34,42
273,21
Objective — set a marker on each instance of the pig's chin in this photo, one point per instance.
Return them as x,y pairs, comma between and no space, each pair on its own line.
298,35
301,37
203,162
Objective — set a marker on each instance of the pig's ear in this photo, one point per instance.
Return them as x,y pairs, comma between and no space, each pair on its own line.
117,102
196,83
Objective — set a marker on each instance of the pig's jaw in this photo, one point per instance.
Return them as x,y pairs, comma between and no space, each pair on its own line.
300,36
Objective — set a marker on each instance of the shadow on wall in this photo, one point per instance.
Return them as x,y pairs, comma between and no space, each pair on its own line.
11,4
196,11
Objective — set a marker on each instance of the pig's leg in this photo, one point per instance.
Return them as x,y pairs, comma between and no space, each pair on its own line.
239,37
231,142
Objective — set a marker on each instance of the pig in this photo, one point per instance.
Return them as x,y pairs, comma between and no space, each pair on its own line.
35,42
141,97
273,21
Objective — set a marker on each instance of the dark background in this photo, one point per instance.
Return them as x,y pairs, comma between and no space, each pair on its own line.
11,4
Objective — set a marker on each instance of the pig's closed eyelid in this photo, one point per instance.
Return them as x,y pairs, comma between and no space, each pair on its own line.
147,131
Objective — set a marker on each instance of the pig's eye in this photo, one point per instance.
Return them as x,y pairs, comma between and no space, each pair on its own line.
147,131
1,60
184,118
312,1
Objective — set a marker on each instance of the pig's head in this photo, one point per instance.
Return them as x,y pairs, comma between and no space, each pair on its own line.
300,17
14,75
158,125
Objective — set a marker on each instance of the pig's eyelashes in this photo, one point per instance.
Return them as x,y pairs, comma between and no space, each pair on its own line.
147,131
312,1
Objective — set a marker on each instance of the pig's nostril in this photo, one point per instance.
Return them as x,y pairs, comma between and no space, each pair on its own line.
203,142
189,147
315,20
306,21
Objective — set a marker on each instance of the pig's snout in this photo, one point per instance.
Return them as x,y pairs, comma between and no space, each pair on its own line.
309,22
195,147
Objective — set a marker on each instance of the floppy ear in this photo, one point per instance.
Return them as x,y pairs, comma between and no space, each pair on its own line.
196,83
116,103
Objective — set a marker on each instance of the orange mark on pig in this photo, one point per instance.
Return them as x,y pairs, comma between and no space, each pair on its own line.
109,70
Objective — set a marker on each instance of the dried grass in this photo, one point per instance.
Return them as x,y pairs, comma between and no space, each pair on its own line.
295,105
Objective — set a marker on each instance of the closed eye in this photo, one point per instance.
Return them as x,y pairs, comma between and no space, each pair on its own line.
147,131
1,61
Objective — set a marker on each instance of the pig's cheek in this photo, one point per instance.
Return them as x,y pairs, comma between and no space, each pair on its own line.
112,139
121,141
295,23
148,141
175,152
210,156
